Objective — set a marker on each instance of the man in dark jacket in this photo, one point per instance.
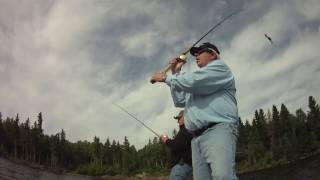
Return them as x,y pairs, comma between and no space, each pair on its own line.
180,148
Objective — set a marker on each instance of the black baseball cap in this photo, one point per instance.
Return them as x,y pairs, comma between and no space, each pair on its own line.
203,47
179,115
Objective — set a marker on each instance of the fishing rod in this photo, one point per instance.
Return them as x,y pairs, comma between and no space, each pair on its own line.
136,119
183,56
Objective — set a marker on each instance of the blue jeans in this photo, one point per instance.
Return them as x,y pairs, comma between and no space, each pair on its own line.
213,153
180,172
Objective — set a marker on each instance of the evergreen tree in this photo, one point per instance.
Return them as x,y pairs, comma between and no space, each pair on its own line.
304,136
276,134
262,129
39,124
243,136
16,135
10,133
54,149
107,152
255,146
2,133
286,133
128,157
313,122
65,154
97,153
25,139
3,137
125,155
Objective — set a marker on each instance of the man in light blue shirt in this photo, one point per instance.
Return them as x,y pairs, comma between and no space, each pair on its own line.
209,98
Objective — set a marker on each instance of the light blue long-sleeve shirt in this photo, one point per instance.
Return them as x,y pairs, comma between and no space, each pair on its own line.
208,95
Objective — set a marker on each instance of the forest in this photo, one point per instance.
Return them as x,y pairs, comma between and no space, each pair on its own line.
274,136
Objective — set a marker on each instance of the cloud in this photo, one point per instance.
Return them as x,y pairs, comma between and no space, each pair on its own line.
272,74
72,59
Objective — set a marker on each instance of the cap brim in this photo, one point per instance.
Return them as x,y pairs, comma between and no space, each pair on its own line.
179,115
194,50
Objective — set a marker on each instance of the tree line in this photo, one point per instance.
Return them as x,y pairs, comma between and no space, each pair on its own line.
278,136
21,140
273,137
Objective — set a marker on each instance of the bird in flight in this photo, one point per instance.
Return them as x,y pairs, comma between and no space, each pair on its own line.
269,38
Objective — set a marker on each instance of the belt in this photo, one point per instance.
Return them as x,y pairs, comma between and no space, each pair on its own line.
198,132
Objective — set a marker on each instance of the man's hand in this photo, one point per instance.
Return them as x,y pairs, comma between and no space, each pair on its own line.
159,77
163,138
177,64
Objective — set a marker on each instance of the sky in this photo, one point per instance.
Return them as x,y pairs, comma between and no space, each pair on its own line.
72,59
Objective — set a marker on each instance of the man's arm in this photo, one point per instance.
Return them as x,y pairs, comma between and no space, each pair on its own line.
178,97
204,81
